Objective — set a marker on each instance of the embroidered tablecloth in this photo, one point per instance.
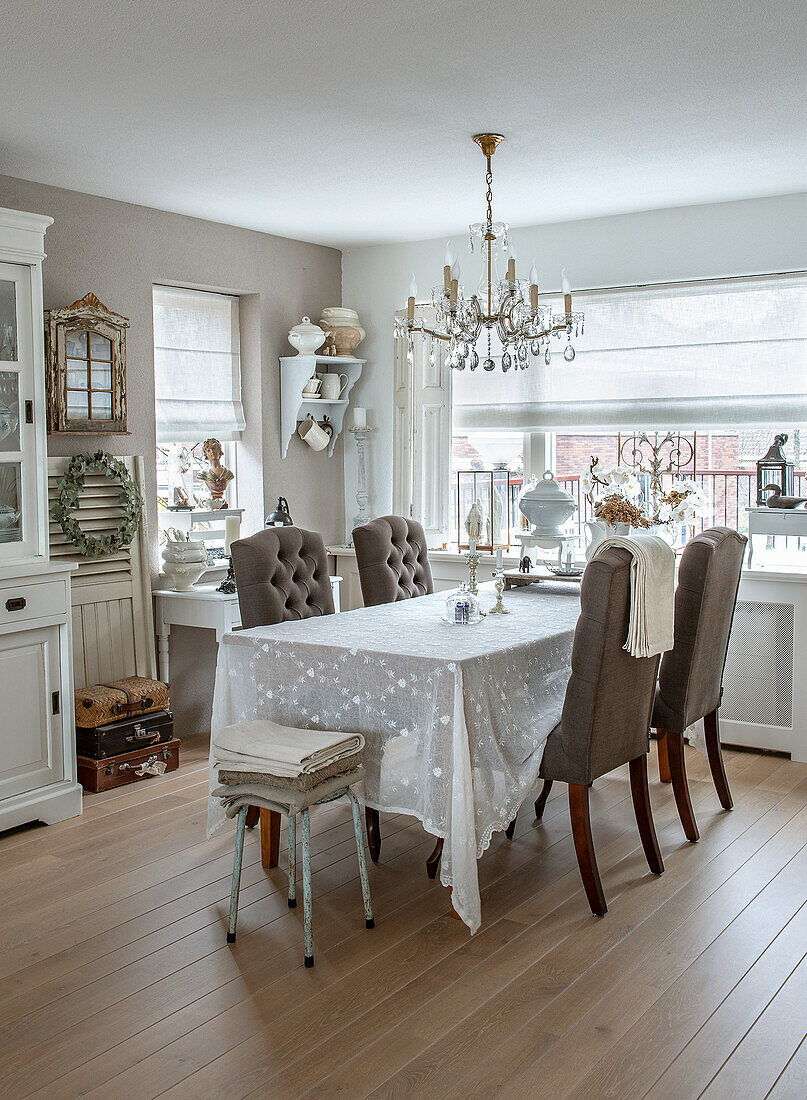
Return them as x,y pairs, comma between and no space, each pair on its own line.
455,717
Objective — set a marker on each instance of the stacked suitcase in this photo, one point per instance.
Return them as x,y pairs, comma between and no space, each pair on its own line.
124,733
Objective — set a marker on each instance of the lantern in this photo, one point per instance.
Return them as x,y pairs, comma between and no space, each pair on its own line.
774,472
280,517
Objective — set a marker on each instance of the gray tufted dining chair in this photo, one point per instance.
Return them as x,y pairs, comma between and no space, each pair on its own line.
393,560
690,683
281,574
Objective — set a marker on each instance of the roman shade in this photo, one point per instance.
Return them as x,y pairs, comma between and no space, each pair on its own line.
197,365
695,355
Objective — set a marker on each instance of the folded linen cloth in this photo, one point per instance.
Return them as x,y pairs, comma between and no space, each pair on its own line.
268,748
652,592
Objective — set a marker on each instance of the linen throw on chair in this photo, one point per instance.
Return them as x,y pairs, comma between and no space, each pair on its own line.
652,592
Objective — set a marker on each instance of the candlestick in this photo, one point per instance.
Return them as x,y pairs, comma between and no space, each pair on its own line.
499,608
472,558
361,435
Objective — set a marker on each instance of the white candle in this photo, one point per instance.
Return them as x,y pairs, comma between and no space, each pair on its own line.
359,417
231,532
472,546
499,560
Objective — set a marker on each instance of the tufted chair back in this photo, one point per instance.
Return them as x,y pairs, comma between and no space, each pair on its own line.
691,675
281,573
393,560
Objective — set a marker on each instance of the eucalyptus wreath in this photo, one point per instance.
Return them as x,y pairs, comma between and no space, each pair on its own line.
69,490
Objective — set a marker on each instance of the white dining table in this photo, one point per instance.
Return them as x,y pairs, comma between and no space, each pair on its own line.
455,718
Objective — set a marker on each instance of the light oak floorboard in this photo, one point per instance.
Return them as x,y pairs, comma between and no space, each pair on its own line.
117,981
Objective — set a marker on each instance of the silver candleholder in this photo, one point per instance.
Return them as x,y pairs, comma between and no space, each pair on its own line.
499,608
472,558
361,435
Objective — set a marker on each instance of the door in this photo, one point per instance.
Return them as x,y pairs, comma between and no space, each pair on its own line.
31,751
19,536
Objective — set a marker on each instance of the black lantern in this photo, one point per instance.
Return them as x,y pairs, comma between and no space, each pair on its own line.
774,472
280,517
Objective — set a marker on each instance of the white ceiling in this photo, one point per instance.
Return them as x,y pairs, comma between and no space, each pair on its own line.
350,122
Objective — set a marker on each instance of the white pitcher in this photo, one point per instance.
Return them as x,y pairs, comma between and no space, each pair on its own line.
333,386
598,531
315,436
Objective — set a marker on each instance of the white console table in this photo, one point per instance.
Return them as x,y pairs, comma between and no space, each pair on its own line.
202,607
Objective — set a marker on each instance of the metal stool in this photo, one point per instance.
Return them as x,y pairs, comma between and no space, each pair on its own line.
291,802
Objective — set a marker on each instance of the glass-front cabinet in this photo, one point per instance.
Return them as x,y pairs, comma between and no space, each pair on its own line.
20,478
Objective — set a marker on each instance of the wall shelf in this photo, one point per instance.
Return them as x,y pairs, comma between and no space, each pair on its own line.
295,370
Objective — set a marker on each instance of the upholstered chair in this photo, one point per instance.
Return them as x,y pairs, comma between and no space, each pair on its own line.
690,684
393,560
606,715
281,573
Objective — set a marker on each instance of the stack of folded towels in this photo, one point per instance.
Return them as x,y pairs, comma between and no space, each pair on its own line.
281,756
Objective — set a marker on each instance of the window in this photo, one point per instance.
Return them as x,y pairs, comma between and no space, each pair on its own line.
197,385
197,365
725,363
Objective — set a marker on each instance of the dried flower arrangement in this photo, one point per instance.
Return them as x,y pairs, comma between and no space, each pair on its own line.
616,508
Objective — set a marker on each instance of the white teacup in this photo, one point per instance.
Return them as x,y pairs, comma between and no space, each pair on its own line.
333,386
316,437
312,387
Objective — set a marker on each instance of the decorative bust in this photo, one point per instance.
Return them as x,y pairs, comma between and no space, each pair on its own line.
216,477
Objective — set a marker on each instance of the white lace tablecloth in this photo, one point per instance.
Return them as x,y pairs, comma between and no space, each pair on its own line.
455,718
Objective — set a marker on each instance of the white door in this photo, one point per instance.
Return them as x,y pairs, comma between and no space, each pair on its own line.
19,534
31,753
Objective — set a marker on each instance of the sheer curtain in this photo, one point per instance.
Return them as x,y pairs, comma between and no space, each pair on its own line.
197,365
682,356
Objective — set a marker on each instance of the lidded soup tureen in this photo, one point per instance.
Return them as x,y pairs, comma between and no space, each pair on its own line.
307,337
546,505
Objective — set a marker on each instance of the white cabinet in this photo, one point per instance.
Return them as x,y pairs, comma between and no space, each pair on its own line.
37,740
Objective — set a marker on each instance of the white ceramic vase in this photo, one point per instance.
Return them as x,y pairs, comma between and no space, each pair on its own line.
599,531
183,564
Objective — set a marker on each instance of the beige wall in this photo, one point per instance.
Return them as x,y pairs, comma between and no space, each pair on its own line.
118,251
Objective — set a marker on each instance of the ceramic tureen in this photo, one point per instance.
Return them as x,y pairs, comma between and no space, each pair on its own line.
307,337
546,505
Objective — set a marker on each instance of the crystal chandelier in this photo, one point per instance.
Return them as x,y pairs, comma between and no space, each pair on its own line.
508,306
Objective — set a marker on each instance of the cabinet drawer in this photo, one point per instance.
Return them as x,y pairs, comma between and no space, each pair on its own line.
32,601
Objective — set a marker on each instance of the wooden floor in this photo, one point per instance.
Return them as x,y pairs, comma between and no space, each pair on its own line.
117,982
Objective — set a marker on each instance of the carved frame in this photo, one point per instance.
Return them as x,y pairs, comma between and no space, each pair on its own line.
88,313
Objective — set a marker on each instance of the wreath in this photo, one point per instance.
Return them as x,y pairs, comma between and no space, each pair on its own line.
69,490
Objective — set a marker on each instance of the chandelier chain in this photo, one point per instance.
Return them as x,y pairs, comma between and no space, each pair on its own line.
489,195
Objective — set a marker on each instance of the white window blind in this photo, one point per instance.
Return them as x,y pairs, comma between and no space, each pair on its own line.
197,365
682,356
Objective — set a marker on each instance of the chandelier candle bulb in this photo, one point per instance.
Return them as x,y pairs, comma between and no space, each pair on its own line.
567,292
448,260
413,293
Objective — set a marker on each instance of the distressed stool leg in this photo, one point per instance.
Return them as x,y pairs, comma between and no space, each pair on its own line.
309,937
365,885
236,886
292,861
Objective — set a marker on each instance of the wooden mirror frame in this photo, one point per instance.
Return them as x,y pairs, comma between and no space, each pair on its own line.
91,315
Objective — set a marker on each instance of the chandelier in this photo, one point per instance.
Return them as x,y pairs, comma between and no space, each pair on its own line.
509,307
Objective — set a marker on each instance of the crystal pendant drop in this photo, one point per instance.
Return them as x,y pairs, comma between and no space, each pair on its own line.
489,365
461,363
474,359
568,353
535,347
507,361
432,359
522,353
547,355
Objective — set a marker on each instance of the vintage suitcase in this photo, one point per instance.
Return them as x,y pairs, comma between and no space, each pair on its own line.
97,704
128,767
126,735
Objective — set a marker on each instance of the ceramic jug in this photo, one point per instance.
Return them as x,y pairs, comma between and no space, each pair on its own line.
598,531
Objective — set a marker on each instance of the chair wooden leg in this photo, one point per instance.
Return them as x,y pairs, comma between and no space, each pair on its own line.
678,773
270,838
373,833
584,846
644,813
540,802
715,754
433,862
663,758
253,813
